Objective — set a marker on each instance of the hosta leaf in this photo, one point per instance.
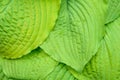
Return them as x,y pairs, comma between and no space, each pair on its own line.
78,32
60,73
113,11
33,66
105,65
25,24
2,75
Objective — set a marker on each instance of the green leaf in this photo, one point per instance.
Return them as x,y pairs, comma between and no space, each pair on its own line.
25,24
78,32
113,11
2,75
60,73
36,65
105,65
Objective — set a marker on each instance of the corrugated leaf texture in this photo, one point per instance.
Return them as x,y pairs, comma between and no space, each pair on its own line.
59,39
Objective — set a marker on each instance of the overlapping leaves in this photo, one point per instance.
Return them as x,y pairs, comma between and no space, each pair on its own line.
83,45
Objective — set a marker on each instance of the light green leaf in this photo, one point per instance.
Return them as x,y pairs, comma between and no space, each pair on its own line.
36,65
25,24
105,65
2,75
78,32
60,73
113,11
